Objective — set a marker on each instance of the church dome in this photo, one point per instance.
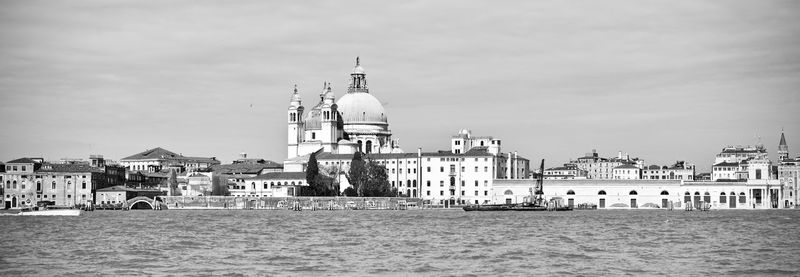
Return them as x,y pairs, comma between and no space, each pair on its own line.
361,108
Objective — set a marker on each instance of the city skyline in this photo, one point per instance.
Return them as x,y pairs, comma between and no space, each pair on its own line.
661,81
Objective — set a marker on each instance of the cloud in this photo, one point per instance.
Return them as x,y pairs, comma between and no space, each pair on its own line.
122,76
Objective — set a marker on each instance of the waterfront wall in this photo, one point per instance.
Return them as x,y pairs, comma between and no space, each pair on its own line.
276,203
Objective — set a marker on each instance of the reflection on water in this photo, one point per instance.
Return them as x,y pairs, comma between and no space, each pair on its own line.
430,242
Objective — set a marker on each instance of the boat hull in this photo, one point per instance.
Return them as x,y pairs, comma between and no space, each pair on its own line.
65,212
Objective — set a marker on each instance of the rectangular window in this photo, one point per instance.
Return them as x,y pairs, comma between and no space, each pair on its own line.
462,193
429,183
429,169
486,192
441,168
23,168
441,183
441,193
476,183
476,169
429,193
462,183
485,169
463,169
476,193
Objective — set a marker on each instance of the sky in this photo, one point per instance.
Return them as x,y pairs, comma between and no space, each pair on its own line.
659,80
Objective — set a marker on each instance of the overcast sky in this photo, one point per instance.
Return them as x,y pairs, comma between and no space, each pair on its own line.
661,80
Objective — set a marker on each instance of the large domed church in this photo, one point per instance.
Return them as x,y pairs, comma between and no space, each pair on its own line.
355,122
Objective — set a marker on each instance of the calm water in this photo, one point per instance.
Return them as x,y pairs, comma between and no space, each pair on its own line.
438,242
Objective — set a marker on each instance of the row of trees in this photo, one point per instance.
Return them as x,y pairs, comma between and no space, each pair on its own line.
367,179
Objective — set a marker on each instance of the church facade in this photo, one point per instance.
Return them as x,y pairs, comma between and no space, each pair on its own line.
355,122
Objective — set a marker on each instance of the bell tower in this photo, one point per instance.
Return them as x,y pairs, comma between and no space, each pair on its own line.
295,124
783,148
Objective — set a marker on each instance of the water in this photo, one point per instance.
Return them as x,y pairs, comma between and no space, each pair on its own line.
428,242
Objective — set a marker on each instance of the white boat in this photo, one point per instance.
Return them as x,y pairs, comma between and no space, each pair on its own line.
51,212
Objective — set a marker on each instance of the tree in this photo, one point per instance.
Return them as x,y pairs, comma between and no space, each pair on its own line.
312,171
357,175
368,179
173,183
219,186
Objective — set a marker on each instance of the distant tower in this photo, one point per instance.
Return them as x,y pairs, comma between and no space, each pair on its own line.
329,131
295,123
783,149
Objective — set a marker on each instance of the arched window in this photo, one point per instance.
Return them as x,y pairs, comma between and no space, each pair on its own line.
707,197
742,198
664,192
253,185
14,184
83,185
369,146
570,192
415,183
53,185
508,192
38,186
271,184
722,197
293,183
265,185
360,148
8,184
602,192
696,193
633,192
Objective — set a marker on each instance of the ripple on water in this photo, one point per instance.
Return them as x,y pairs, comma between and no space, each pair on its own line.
438,242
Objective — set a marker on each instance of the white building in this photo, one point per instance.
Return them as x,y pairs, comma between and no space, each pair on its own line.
655,194
679,171
627,172
603,168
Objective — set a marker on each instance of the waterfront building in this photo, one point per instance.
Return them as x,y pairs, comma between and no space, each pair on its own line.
742,163
788,175
31,180
159,159
638,194
271,184
442,177
568,171
603,168
678,171
356,122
